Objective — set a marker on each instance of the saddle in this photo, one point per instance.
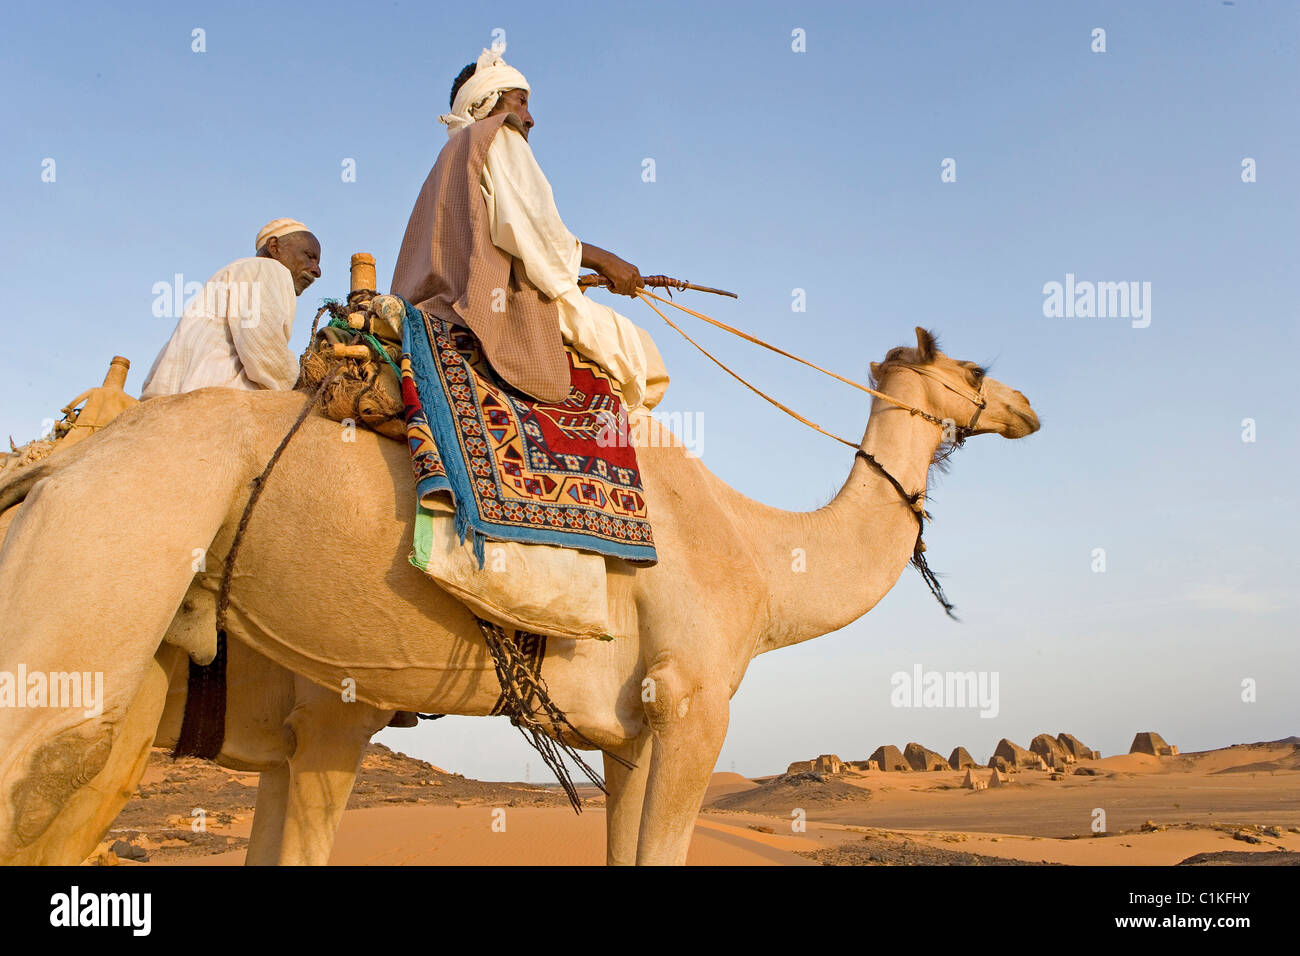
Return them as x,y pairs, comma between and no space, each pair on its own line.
543,589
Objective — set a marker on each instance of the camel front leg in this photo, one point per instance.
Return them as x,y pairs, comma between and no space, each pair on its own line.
623,805
689,723
329,737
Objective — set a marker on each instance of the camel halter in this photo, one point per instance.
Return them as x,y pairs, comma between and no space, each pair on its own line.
914,500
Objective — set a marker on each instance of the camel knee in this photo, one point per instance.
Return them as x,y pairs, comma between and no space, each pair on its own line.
56,771
669,697
321,720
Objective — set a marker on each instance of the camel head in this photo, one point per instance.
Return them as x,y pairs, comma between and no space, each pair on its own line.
951,387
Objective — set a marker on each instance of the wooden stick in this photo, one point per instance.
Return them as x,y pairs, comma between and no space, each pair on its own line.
653,282
351,351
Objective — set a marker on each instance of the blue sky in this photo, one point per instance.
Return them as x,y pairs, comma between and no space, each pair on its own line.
778,170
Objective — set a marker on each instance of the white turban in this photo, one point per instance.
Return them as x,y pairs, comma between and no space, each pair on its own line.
479,94
277,228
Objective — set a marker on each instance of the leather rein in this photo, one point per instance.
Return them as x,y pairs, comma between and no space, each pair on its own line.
914,500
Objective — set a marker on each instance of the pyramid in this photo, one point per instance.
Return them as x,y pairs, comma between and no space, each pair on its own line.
960,759
996,779
1073,745
1050,749
973,782
1150,742
887,757
1016,756
921,759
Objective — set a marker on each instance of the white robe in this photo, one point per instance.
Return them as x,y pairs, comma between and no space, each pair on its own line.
525,223
234,334
541,587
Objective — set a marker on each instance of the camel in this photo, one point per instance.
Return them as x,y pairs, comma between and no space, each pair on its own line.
126,538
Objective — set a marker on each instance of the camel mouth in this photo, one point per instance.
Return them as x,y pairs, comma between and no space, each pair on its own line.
1028,423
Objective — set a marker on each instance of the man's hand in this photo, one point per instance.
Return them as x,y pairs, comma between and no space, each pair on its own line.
624,278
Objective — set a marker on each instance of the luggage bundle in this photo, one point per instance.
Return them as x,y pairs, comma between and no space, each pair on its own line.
361,348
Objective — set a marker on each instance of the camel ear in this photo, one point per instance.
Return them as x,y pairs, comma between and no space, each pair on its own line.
925,344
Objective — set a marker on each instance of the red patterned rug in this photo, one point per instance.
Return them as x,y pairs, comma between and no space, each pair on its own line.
517,469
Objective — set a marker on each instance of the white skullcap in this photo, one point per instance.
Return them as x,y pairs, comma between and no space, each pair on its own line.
477,95
276,228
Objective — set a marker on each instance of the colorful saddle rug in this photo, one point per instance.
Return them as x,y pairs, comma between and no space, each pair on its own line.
516,469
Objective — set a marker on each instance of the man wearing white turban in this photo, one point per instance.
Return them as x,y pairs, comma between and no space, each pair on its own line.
487,185
235,333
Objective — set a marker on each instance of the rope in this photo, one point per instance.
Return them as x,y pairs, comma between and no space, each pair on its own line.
259,483
645,296
914,500
526,700
753,388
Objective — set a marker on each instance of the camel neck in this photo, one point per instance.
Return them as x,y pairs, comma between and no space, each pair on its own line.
831,566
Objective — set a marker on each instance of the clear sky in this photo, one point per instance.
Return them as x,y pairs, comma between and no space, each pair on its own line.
778,170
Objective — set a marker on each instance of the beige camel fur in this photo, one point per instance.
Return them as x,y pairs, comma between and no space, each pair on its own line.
322,589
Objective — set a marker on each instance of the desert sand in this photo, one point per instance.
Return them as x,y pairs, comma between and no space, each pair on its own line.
1234,805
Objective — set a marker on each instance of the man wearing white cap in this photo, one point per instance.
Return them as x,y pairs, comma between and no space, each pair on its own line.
235,334
486,248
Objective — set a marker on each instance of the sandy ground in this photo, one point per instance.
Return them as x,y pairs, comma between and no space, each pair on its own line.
1232,804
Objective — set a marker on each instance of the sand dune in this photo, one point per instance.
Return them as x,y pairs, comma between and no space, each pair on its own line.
1232,804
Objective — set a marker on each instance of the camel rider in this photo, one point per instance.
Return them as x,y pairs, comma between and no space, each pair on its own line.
236,333
486,248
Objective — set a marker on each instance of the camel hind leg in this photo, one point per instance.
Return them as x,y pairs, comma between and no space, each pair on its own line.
79,826
92,571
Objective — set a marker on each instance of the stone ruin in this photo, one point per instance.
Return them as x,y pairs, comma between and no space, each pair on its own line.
864,765
1149,742
960,759
973,782
920,759
829,764
887,757
826,765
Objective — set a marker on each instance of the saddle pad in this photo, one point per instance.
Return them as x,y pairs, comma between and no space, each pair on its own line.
516,469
